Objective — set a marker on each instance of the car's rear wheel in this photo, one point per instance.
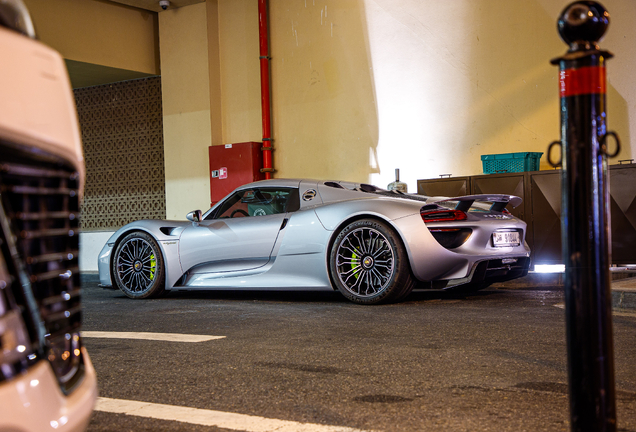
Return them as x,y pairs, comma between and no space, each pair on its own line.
369,264
138,266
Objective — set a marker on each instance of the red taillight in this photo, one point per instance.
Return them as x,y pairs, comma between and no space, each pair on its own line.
442,215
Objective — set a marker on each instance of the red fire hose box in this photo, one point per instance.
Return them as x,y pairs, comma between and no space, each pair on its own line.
233,165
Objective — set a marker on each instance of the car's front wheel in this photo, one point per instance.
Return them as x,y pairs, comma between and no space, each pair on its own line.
369,264
138,266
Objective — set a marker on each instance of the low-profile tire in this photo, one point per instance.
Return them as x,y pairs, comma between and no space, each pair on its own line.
406,291
138,267
369,264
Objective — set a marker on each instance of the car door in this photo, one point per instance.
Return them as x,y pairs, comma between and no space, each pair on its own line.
239,235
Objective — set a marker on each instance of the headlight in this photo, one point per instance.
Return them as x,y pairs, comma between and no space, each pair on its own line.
14,340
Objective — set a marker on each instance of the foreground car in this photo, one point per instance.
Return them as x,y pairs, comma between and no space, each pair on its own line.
371,244
47,381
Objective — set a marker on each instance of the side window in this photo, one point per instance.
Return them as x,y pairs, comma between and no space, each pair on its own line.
258,202
293,203
232,207
267,201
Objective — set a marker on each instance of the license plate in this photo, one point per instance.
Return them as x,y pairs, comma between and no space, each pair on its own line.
505,238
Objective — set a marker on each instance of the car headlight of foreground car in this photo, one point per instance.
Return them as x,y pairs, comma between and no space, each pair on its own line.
14,341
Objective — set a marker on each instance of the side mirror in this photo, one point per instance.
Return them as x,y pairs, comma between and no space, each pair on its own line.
194,216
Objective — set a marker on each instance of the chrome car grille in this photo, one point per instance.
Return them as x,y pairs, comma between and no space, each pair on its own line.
40,210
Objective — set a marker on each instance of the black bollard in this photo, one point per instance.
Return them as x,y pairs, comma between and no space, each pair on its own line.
585,217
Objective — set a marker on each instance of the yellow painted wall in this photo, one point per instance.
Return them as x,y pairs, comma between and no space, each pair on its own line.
361,87
186,108
98,32
621,91
239,71
324,103
455,80
214,66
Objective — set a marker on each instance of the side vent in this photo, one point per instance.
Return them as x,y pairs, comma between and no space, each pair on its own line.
167,230
334,185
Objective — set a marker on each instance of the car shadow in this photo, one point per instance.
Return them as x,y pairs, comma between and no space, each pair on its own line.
332,297
91,282
257,295
449,294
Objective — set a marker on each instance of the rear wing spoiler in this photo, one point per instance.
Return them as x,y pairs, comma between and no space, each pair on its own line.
499,201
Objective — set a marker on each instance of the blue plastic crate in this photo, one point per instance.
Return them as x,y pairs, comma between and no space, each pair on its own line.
510,162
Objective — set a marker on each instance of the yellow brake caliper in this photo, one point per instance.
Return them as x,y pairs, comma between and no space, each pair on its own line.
153,264
355,263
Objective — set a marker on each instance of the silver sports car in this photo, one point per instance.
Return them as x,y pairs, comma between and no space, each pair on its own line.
372,245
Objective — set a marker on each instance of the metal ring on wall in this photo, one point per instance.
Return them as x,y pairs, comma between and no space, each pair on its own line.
604,147
552,144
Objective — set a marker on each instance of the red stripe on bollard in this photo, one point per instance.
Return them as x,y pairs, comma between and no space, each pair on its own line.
585,80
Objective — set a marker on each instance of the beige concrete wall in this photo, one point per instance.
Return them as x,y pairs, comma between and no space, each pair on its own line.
361,87
214,66
239,71
98,32
186,108
621,95
324,103
455,80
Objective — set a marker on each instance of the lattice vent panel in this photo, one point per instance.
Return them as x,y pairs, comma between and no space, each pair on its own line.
122,132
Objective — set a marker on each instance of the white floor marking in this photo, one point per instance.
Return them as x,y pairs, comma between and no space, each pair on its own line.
624,314
225,420
168,337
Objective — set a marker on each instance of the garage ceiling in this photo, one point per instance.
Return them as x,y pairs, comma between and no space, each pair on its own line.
86,74
153,5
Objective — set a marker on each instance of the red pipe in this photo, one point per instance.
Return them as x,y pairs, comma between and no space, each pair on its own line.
265,89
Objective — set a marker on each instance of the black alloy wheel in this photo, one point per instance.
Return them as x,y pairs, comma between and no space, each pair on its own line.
369,265
138,266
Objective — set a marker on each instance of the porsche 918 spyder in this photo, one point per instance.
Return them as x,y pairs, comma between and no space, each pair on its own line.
372,245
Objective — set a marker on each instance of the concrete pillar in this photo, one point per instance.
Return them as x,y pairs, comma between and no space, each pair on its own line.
188,40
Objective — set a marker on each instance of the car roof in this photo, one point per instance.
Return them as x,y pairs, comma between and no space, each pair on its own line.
282,182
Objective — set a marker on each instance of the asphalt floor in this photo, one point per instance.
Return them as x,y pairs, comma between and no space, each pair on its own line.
622,286
492,361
